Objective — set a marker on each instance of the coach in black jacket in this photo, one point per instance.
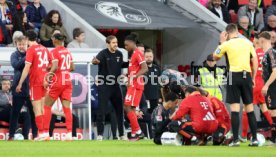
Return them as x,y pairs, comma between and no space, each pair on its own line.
19,99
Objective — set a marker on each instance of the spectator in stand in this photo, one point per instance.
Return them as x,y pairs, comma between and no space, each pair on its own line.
52,21
254,14
245,28
36,12
216,7
6,108
23,22
8,22
21,5
79,38
271,24
270,11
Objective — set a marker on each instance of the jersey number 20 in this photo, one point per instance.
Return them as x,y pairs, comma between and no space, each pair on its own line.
65,65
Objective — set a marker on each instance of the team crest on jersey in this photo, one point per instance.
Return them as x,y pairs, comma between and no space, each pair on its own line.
118,59
217,51
159,118
123,13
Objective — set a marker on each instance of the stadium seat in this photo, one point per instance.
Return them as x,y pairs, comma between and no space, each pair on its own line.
234,17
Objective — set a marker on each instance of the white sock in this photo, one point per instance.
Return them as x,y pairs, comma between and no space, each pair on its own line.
139,131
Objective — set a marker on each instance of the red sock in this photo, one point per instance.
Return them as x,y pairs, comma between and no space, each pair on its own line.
244,124
133,122
47,117
268,117
39,123
68,118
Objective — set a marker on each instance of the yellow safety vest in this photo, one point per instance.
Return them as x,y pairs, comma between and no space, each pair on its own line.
209,83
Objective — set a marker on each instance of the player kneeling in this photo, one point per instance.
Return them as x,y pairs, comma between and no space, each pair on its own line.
222,116
61,85
199,109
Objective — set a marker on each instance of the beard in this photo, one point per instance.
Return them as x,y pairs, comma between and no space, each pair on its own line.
149,62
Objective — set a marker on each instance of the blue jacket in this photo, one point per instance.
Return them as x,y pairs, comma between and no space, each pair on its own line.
18,63
30,11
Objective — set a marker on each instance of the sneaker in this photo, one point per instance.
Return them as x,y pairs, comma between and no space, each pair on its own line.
141,135
100,138
68,136
123,138
254,143
234,144
242,139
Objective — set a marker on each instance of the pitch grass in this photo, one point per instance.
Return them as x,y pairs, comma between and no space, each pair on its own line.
143,148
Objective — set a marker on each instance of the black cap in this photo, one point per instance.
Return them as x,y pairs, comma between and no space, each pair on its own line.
210,57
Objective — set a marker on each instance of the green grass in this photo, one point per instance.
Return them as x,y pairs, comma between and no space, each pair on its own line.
125,149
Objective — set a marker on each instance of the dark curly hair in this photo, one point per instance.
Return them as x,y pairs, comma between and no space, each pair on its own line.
48,18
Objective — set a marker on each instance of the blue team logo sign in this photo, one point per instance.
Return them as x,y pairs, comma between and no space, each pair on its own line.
123,13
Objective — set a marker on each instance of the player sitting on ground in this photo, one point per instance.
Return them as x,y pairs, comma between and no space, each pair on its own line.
222,116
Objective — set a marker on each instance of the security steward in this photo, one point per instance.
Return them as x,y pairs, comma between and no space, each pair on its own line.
239,53
211,77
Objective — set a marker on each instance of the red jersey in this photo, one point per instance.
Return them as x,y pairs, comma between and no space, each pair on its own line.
260,54
37,56
136,60
64,58
220,111
199,109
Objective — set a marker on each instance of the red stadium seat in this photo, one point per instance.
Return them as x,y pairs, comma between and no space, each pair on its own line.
234,17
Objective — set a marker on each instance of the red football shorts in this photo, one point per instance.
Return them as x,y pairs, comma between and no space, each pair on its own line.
133,97
258,98
37,92
64,92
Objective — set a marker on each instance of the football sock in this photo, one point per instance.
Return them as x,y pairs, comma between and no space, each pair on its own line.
235,122
273,131
68,118
268,117
244,124
252,124
133,122
39,124
47,118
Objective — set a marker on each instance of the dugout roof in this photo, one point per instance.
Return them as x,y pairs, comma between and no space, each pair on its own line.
129,14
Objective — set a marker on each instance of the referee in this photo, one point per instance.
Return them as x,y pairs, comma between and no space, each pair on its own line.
110,61
239,52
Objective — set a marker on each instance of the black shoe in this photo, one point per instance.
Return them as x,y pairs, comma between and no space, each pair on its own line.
137,137
141,135
254,143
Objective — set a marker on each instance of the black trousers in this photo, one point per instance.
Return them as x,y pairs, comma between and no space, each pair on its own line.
23,118
153,105
54,120
114,95
18,102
